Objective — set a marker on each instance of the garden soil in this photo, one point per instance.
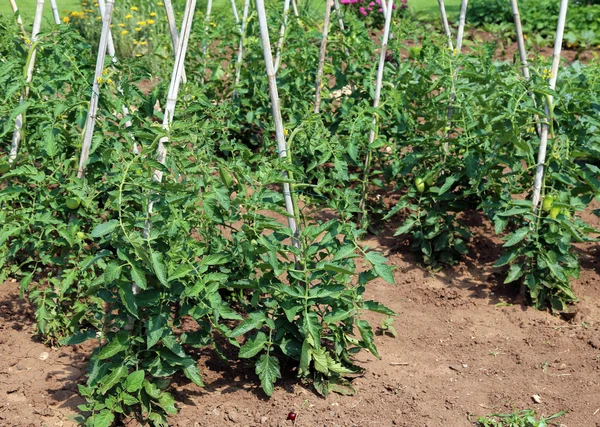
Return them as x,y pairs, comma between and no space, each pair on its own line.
466,347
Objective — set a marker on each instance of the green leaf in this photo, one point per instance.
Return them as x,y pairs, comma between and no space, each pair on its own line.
344,252
129,301
514,238
378,308
447,185
167,402
253,346
255,321
118,344
112,272
366,333
79,337
514,273
332,267
155,326
192,371
138,276
385,272
506,258
305,358
104,418
267,369
112,379
159,268
134,381
104,228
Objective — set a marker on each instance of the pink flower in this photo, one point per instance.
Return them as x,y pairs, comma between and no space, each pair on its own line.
363,11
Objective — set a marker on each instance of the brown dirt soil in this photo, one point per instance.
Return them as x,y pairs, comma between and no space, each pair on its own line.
465,348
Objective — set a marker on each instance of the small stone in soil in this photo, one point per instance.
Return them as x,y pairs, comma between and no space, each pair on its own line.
536,398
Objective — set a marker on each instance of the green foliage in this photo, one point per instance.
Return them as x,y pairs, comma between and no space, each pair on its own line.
539,17
525,418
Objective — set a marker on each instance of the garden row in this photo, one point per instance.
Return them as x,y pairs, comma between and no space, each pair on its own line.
156,269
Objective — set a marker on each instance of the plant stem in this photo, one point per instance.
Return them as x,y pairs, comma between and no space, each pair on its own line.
549,107
275,105
322,52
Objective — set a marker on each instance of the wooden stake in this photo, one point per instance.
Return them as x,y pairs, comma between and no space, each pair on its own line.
281,144
173,30
445,24
461,24
16,12
322,52
240,55
55,12
37,23
93,109
558,40
378,84
286,8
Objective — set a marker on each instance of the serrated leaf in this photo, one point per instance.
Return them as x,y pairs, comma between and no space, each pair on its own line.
514,273
118,344
192,371
138,276
167,402
104,418
253,346
112,379
366,333
134,381
155,326
336,268
385,272
378,308
514,238
104,228
159,268
267,369
112,272
79,337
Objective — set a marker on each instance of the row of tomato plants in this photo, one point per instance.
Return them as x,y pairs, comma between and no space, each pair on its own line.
214,259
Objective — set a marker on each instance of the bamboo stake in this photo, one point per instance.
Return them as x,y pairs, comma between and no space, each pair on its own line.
461,24
323,50
55,12
286,8
93,109
16,12
37,23
275,105
523,56
378,84
173,30
206,25
539,173
240,55
295,8
186,27
235,12
445,24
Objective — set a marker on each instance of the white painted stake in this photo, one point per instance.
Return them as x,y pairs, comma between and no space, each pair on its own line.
206,25
461,24
186,28
235,12
93,109
322,52
445,24
240,55
378,84
37,23
295,8
15,10
55,12
558,40
173,31
286,9
336,3
281,144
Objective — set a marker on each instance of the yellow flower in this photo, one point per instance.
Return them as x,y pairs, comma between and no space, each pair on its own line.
98,18
134,8
160,3
66,20
286,132
138,29
99,80
124,32
150,21
121,25
128,16
144,43
138,55
104,72
135,42
152,14
109,81
141,23
213,24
